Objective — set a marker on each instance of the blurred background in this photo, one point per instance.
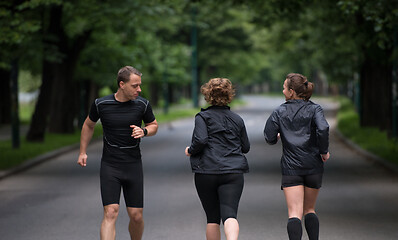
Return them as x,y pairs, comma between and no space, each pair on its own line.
57,56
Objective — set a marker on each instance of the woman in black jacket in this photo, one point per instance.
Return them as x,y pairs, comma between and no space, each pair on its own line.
304,132
219,141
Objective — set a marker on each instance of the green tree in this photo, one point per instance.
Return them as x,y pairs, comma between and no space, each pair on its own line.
341,39
18,27
376,22
65,33
84,43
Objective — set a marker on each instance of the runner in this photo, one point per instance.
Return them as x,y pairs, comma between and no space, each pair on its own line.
219,142
121,116
304,132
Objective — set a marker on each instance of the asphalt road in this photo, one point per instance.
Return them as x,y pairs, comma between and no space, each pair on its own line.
60,200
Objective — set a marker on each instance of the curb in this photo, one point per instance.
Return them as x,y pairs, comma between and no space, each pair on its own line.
368,155
39,160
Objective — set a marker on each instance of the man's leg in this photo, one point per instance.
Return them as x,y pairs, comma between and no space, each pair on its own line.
108,226
110,194
136,225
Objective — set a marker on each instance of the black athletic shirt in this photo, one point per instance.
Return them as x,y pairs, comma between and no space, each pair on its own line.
116,118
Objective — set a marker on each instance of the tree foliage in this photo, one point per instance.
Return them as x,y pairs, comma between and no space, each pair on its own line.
78,46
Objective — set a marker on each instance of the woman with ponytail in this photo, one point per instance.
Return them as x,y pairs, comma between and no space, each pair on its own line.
304,132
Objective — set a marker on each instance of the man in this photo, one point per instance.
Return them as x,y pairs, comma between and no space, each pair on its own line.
121,116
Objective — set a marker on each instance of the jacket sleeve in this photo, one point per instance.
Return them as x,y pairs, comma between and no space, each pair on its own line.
244,140
322,130
271,129
199,136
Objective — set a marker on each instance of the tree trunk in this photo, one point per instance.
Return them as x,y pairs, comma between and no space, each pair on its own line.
39,120
88,93
5,97
59,93
15,125
63,109
154,93
91,95
375,90
38,123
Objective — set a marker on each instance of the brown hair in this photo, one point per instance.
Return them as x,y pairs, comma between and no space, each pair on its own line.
218,91
300,85
124,74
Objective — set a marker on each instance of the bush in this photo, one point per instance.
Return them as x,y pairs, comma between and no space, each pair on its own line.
370,139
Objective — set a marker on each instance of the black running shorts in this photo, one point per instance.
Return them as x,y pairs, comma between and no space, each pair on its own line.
311,181
126,176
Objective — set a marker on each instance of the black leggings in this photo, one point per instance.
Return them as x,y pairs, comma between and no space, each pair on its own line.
220,195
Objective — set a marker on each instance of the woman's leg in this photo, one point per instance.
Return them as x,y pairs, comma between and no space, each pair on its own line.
230,192
310,196
206,186
310,218
295,201
213,231
231,229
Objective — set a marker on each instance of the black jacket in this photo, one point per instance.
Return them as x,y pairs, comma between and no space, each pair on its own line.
219,141
304,133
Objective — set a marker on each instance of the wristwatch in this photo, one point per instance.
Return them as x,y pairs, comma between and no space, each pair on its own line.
145,131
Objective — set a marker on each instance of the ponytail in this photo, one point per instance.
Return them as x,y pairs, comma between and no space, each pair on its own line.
308,93
300,85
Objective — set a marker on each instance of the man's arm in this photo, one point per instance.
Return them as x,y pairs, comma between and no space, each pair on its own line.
151,127
85,138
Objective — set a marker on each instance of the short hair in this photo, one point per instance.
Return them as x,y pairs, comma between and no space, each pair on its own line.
300,85
218,91
124,74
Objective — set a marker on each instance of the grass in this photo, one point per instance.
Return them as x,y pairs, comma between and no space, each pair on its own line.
26,112
175,114
370,139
